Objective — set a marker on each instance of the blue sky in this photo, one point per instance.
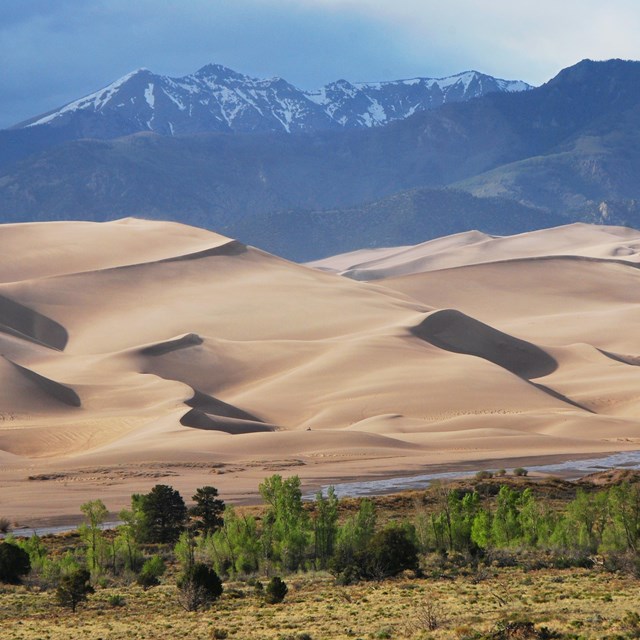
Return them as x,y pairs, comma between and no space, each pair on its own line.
53,51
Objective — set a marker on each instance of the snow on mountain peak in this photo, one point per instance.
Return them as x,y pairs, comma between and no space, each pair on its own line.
216,98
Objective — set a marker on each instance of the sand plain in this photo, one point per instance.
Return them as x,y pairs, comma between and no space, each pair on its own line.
136,352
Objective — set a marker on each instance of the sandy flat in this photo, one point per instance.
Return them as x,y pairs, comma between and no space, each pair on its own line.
136,352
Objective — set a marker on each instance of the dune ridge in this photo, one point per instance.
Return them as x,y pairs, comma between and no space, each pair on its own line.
135,345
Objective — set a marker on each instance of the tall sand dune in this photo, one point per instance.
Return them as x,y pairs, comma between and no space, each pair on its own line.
135,352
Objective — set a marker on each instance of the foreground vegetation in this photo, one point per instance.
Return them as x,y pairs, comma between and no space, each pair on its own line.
497,558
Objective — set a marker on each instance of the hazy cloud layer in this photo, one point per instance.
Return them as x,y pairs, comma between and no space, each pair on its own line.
53,52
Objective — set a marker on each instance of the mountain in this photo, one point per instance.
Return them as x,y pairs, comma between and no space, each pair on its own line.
568,148
216,98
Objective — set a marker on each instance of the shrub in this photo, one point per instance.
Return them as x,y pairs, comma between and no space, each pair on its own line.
276,590
500,473
14,563
74,588
116,600
484,475
4,525
389,552
198,587
520,471
152,569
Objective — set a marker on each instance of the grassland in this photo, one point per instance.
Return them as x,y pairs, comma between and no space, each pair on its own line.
577,603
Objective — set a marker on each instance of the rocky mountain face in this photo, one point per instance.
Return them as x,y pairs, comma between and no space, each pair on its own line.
569,148
216,98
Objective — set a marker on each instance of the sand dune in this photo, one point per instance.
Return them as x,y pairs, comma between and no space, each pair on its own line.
473,247
135,351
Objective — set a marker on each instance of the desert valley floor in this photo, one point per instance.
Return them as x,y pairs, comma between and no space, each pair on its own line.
137,352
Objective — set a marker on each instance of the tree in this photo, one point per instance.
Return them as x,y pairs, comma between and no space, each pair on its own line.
91,532
14,563
235,547
198,587
325,528
286,524
74,588
126,539
208,511
161,512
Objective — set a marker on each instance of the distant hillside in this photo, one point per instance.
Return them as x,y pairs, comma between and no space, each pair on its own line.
405,218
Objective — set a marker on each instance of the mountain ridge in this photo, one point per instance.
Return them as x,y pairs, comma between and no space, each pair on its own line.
216,98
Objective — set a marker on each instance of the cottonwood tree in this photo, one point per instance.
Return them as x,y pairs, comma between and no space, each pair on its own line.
96,514
285,533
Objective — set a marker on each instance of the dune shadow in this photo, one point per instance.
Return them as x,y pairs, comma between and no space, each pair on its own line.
454,331
184,342
25,323
55,390
199,420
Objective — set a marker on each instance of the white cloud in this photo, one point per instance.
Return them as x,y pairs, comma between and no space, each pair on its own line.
532,39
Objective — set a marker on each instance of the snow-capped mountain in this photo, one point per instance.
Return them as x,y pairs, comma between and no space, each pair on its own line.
216,98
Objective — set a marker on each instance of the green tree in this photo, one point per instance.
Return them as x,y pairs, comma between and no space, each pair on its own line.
325,526
586,519
235,547
481,529
506,529
74,588
161,514
207,513
285,531
96,514
624,501
127,536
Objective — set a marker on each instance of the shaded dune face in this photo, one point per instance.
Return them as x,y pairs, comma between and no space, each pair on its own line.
18,320
454,331
160,341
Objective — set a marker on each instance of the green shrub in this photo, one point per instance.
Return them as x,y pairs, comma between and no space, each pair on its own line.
116,600
276,590
520,472
484,475
151,571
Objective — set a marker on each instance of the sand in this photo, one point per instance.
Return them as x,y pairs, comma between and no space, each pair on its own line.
138,352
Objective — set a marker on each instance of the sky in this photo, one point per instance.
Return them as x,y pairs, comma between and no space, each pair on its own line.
54,51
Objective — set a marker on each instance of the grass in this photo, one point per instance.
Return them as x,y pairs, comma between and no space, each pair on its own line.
578,603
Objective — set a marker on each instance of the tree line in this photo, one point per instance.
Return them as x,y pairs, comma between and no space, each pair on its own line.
211,540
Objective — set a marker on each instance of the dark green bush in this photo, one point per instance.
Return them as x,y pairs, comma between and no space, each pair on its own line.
198,587
275,591
14,563
74,588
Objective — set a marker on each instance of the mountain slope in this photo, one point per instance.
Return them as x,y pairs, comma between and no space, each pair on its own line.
567,148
